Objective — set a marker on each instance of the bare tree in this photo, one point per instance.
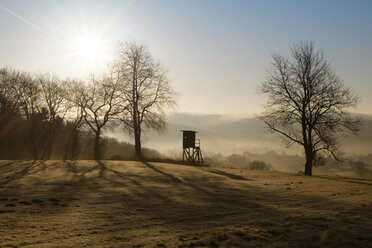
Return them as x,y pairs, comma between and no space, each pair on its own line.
52,96
73,93
145,88
99,103
8,101
307,103
28,94
52,100
9,105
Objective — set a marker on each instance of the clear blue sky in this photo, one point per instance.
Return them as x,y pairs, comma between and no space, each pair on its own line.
216,51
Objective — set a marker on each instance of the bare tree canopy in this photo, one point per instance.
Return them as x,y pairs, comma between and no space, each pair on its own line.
52,95
145,88
307,103
9,103
28,94
100,103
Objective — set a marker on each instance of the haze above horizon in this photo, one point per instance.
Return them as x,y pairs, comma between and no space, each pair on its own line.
216,51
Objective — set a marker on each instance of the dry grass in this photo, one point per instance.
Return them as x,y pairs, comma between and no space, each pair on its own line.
135,204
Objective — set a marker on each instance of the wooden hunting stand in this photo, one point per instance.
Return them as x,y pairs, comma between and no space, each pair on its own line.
191,148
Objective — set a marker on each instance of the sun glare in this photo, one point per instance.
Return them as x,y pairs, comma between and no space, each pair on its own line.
89,49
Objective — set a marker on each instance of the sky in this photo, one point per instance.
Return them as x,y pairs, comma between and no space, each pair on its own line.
215,51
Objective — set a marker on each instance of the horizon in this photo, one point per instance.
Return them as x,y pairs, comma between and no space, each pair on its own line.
204,45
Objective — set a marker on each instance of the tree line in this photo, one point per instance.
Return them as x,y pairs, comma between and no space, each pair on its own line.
41,115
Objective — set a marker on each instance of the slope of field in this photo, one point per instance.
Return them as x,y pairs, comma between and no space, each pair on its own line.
135,204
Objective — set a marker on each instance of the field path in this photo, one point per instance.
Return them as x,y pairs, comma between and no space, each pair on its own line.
140,204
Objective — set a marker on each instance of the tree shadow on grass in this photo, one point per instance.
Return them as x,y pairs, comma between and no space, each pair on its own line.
349,180
7,164
226,174
176,180
20,170
121,198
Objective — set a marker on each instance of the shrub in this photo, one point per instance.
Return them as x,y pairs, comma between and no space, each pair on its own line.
260,165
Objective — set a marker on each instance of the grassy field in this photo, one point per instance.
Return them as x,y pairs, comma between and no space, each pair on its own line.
139,204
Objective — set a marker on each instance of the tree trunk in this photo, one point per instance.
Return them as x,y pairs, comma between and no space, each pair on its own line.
309,164
97,148
47,140
66,154
75,144
35,146
137,142
49,144
71,146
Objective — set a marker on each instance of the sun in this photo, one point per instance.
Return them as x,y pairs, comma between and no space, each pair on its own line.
89,49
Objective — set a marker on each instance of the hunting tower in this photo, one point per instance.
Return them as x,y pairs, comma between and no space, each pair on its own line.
191,148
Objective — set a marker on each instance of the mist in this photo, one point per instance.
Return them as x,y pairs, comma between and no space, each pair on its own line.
236,142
